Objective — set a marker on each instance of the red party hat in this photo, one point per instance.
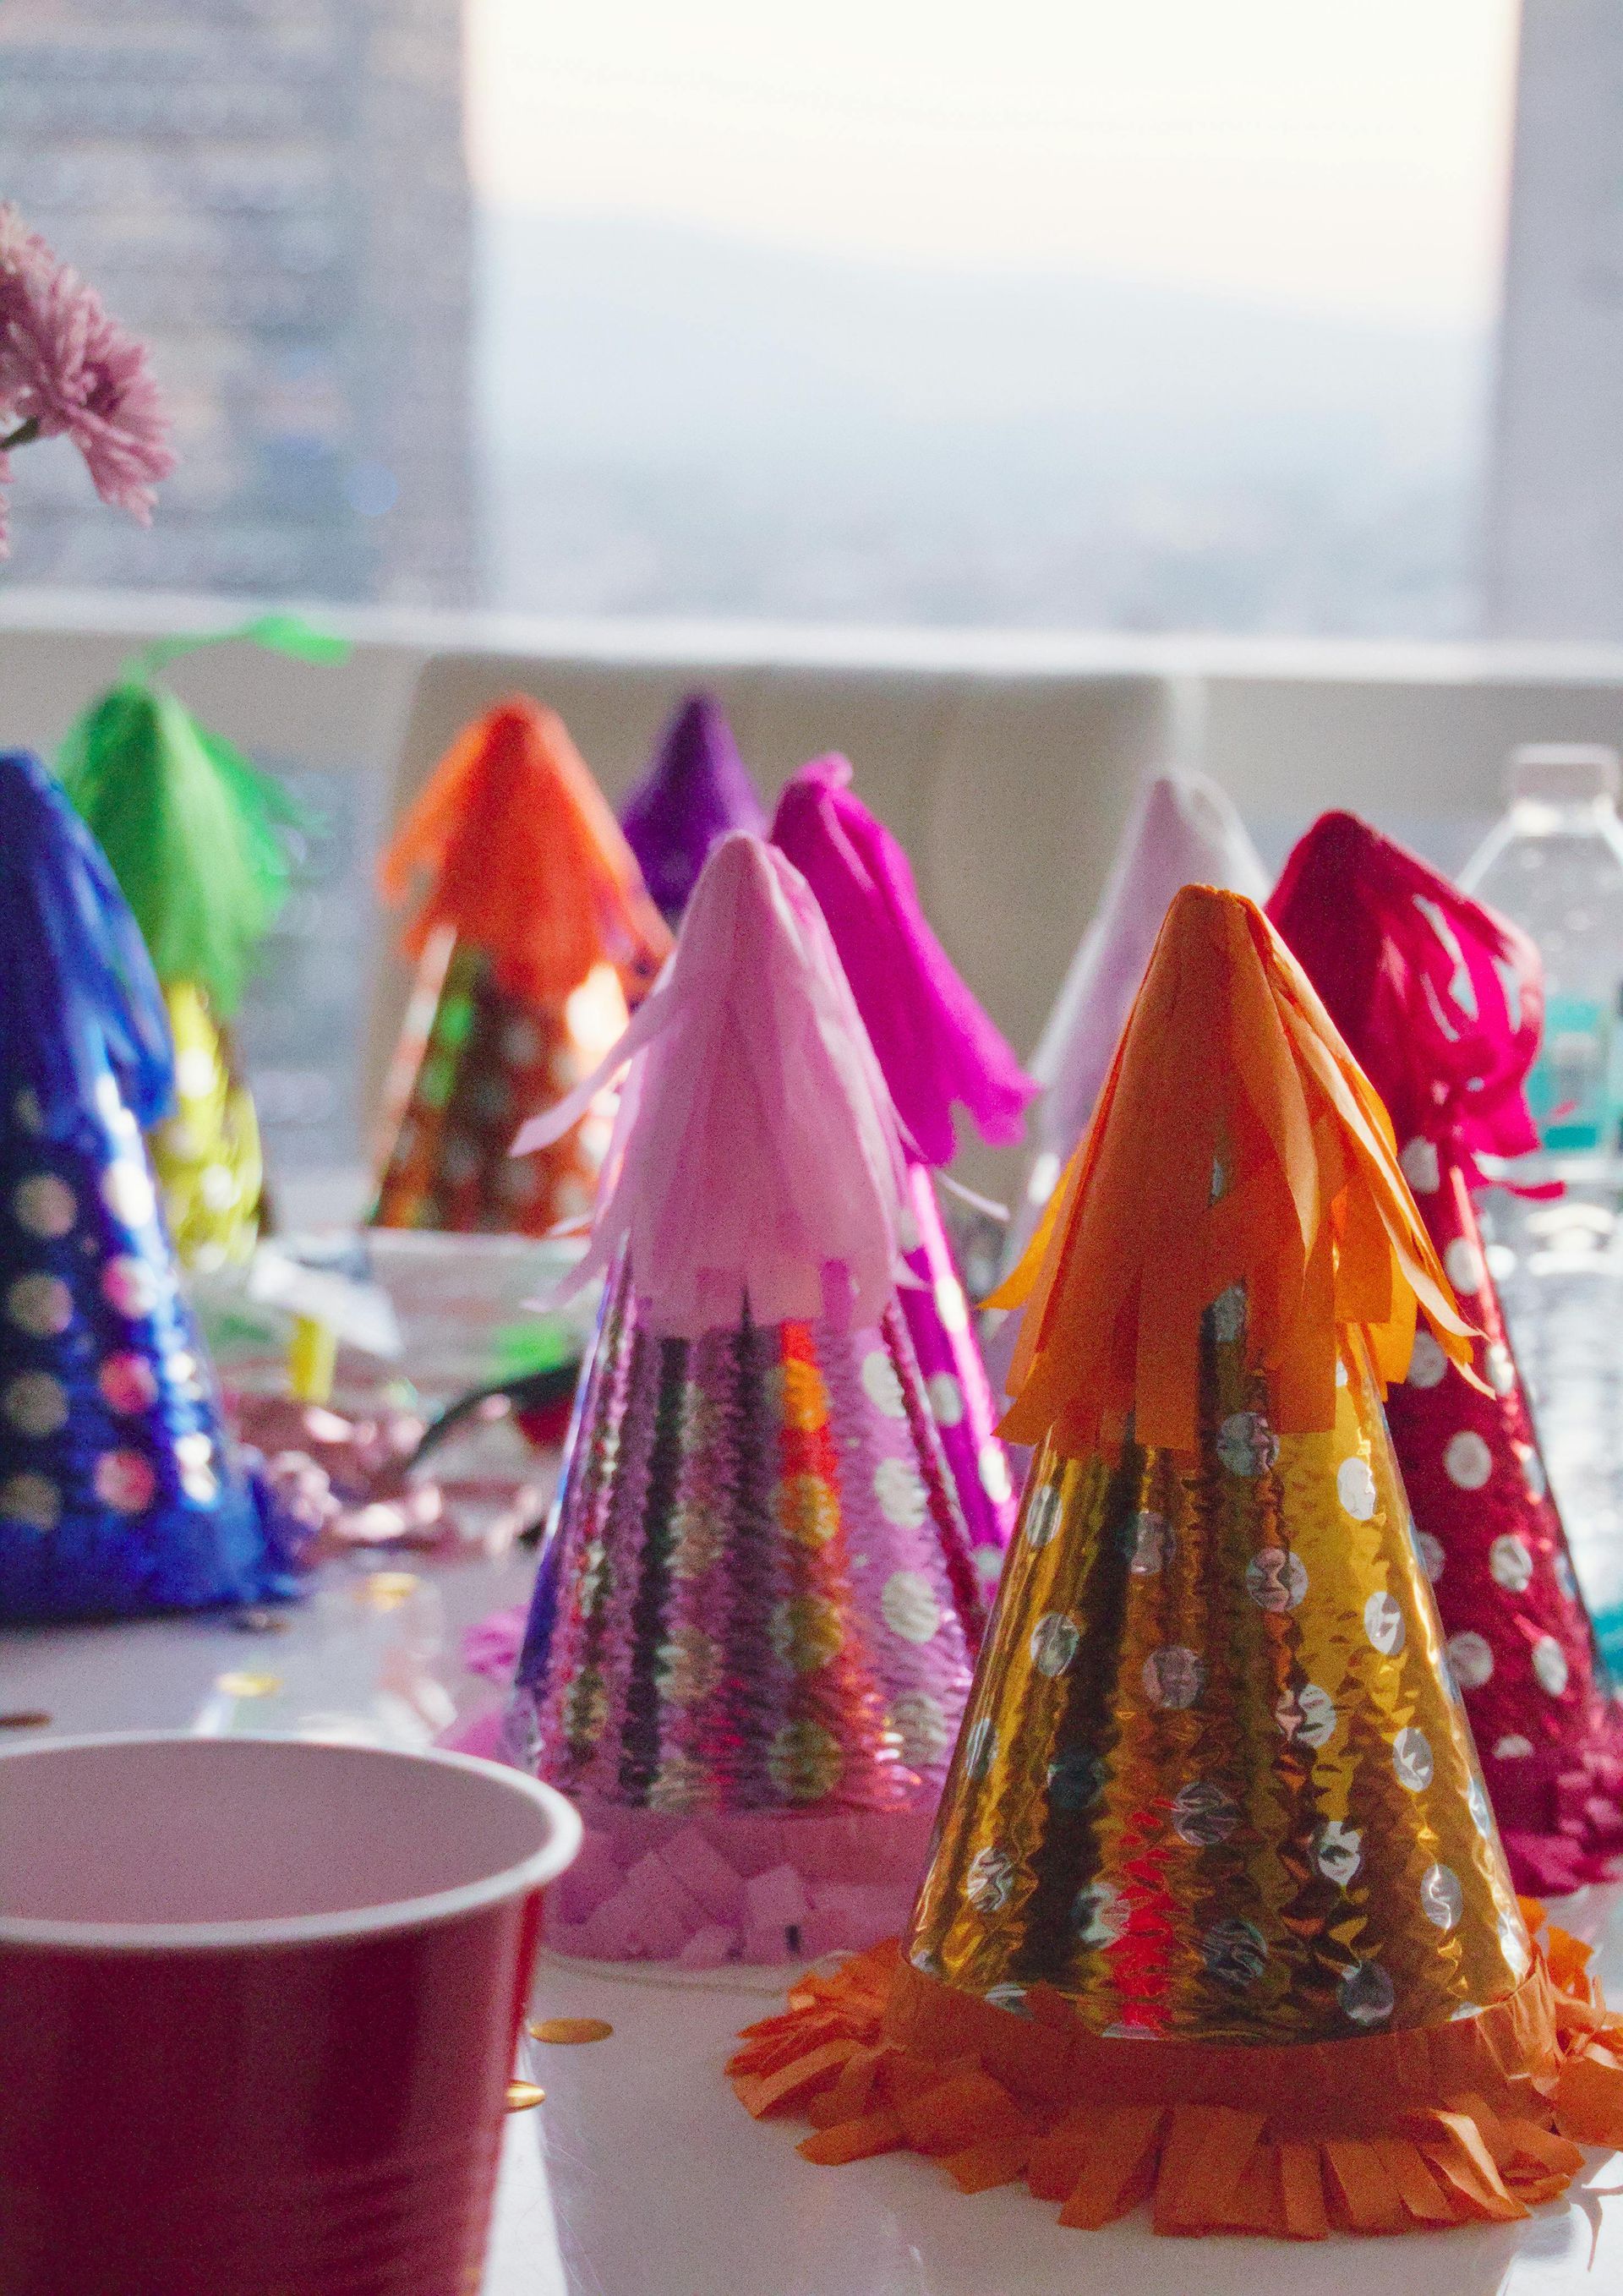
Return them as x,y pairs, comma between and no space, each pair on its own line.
1441,1000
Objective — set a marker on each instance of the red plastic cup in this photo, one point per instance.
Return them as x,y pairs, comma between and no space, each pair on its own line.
259,2001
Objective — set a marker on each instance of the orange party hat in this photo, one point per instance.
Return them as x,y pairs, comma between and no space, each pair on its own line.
534,933
1214,1790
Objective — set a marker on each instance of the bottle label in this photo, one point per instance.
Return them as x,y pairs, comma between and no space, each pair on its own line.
1569,1088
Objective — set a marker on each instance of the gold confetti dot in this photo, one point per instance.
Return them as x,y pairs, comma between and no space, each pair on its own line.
248,1686
386,1590
26,1719
523,2096
572,2028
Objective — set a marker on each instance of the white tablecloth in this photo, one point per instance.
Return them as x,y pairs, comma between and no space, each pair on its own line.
641,2175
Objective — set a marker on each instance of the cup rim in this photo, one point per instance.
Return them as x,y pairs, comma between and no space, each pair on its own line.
557,1852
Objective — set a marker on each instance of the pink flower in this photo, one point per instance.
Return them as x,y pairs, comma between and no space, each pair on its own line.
67,369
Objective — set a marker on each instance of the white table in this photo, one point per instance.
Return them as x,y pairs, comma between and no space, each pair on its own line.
641,2175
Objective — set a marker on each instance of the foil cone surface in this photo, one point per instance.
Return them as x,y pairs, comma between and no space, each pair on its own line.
956,1382
1215,1781
1545,1716
119,1493
474,1062
761,1595
207,1154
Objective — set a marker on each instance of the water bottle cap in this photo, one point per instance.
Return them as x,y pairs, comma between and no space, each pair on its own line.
1563,772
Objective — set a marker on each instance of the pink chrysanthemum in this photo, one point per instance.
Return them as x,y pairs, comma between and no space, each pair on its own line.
68,370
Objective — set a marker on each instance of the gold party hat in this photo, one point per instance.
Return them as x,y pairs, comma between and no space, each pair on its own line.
1213,1789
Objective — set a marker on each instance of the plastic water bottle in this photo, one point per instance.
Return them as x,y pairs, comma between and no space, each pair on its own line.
1554,866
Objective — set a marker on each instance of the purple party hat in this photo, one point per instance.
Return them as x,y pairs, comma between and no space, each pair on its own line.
119,1491
756,1613
939,1050
695,791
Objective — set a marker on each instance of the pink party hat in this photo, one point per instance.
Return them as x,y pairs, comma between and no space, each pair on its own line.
938,1051
757,1614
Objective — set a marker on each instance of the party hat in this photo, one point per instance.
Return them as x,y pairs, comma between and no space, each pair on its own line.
696,789
756,1612
1183,831
118,1492
198,838
1441,1002
937,1050
1214,1790
533,930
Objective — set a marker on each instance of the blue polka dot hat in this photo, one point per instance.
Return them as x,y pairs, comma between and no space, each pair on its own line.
119,1494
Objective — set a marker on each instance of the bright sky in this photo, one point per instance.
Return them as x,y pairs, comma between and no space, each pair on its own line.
1350,157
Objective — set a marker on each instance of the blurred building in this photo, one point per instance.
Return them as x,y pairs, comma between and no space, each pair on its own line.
273,194
1555,496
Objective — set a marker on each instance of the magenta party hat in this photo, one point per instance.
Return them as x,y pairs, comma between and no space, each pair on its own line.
757,1614
938,1051
119,1491
1440,1001
696,789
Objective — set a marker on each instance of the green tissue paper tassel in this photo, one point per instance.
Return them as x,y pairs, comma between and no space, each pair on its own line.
197,836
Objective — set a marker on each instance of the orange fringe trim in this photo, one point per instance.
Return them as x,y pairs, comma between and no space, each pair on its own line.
526,862
1365,2143
1228,1060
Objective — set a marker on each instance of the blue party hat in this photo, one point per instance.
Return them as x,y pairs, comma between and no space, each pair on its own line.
119,1493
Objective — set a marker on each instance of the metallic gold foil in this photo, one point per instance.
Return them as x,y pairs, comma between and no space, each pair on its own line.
206,1155
1215,1781
572,2029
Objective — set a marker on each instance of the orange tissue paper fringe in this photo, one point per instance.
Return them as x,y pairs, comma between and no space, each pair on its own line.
1475,2122
1236,1140
526,862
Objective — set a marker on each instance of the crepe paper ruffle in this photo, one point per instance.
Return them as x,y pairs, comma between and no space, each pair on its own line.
1439,999
696,789
1236,1142
789,1191
525,862
750,1887
1184,831
938,1048
1476,2121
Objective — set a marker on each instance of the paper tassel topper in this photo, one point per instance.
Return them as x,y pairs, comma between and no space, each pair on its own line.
939,1050
533,931
118,1491
1217,1913
756,1613
696,789
1440,1001
198,838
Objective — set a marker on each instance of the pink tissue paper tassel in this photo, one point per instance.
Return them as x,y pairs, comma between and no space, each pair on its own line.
939,1050
757,1614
